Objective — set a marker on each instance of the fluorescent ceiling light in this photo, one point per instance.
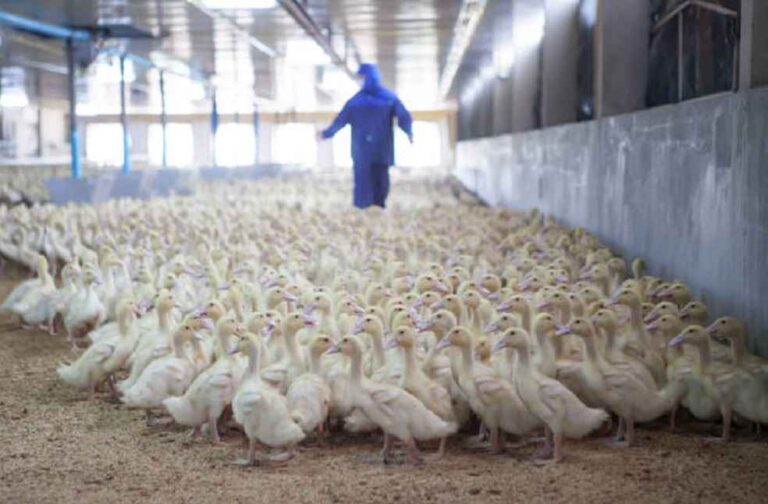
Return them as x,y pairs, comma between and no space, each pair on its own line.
240,4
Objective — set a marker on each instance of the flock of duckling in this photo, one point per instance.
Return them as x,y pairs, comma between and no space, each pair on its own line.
289,319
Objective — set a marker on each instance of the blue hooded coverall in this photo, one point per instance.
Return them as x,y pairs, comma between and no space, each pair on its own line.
370,113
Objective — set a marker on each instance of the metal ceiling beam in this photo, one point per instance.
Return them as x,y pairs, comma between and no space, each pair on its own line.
297,11
255,42
41,28
466,25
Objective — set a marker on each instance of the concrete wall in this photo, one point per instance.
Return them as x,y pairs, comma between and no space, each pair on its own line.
683,186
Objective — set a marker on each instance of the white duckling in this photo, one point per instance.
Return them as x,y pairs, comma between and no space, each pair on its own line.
262,411
416,382
309,396
280,374
622,392
153,344
164,377
398,413
21,298
212,390
106,356
698,398
556,406
84,312
491,397
33,307
651,355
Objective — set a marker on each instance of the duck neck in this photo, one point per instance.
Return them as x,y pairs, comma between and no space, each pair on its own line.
525,315
124,325
467,360
164,320
314,363
523,360
177,344
636,322
590,350
565,313
222,340
610,339
254,364
738,350
356,370
410,362
548,353
377,347
705,355
292,348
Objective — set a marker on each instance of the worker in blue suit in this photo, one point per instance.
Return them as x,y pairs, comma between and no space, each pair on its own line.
370,113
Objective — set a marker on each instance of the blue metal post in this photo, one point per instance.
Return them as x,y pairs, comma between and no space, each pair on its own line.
124,120
163,119
256,134
214,125
74,140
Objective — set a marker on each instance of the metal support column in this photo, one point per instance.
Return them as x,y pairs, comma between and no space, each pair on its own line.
256,134
74,140
163,119
124,120
680,63
214,126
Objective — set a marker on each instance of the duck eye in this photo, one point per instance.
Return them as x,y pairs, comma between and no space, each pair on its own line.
722,322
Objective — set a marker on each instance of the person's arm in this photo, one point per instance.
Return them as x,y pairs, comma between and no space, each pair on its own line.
341,120
404,120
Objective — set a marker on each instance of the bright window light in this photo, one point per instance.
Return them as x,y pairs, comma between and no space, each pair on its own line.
295,144
426,151
14,98
240,4
305,52
179,142
527,33
104,144
342,151
235,145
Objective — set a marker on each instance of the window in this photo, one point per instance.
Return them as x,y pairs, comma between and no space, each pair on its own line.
104,144
179,145
235,145
694,53
427,149
295,144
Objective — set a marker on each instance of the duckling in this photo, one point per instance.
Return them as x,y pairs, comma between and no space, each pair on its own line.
167,376
651,356
153,344
556,406
106,356
31,305
624,394
309,396
398,413
491,397
212,390
734,332
433,395
261,410
29,287
84,312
